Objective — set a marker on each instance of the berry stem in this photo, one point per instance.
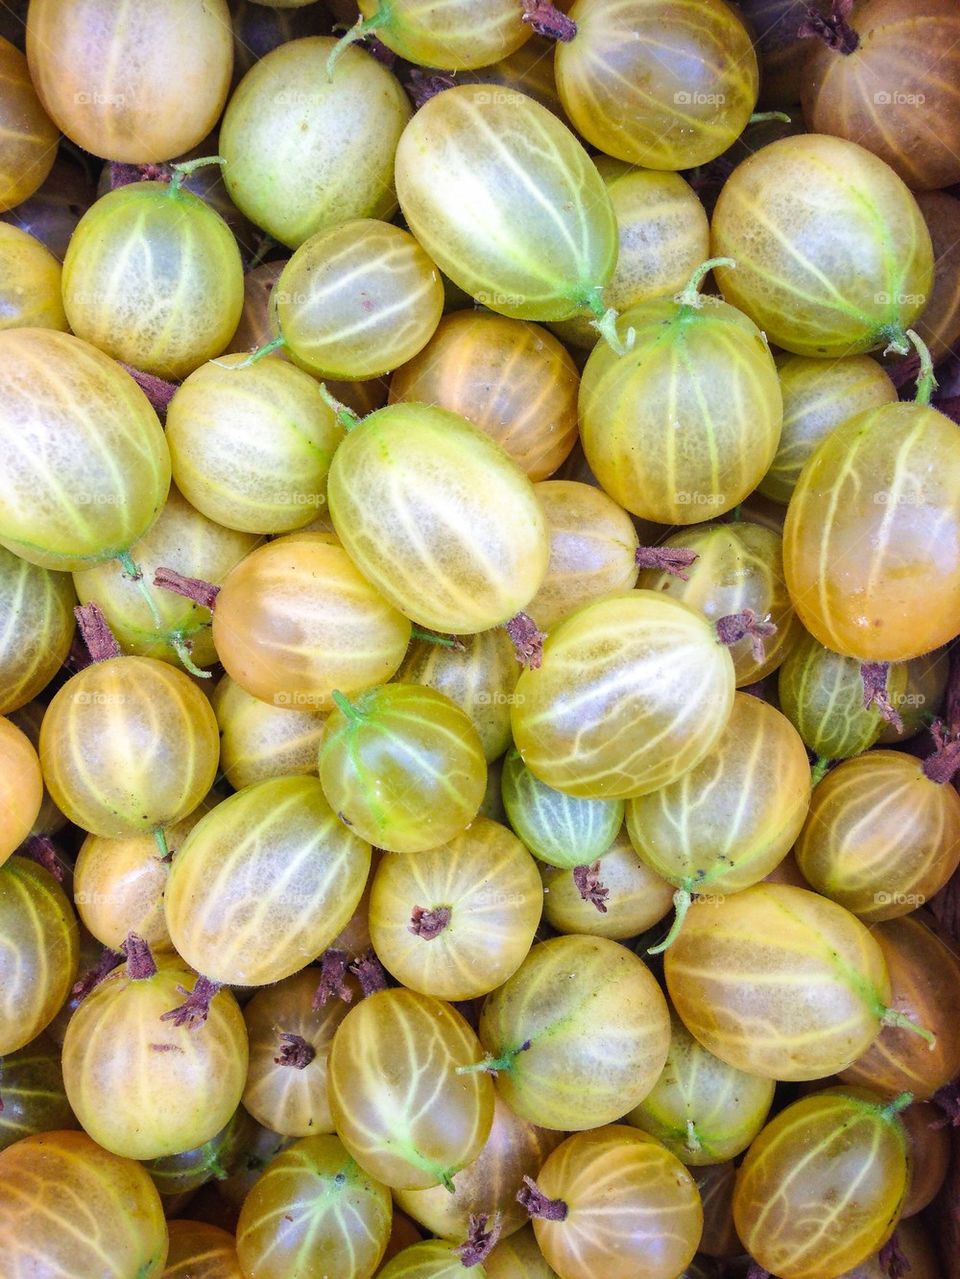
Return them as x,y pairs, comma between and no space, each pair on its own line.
900,1021
493,1065
819,770
344,415
95,632
181,647
160,839
256,356
926,382
761,117
900,1102
134,573
691,295
682,900
362,27
443,641
605,322
180,172
693,1144
346,707
140,963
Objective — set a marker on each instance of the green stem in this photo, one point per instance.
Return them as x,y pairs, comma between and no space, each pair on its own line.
161,842
182,650
899,1103
134,573
691,295
347,707
693,1142
896,340
926,382
682,899
901,1021
345,416
761,117
362,27
605,322
492,1065
254,357
818,771
183,171
444,641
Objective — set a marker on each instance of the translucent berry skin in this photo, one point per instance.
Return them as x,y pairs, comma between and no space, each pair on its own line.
109,1218
833,255
840,1148
400,1105
633,1210
480,548
604,717
874,518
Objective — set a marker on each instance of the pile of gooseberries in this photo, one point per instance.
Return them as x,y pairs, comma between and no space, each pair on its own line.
479,621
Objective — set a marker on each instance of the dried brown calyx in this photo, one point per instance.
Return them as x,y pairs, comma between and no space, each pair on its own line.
295,1051
483,1234
369,973
548,21
108,961
527,640
666,559
587,880
833,29
536,1203
97,635
941,766
428,924
875,694
140,962
333,974
737,626
191,588
195,1009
